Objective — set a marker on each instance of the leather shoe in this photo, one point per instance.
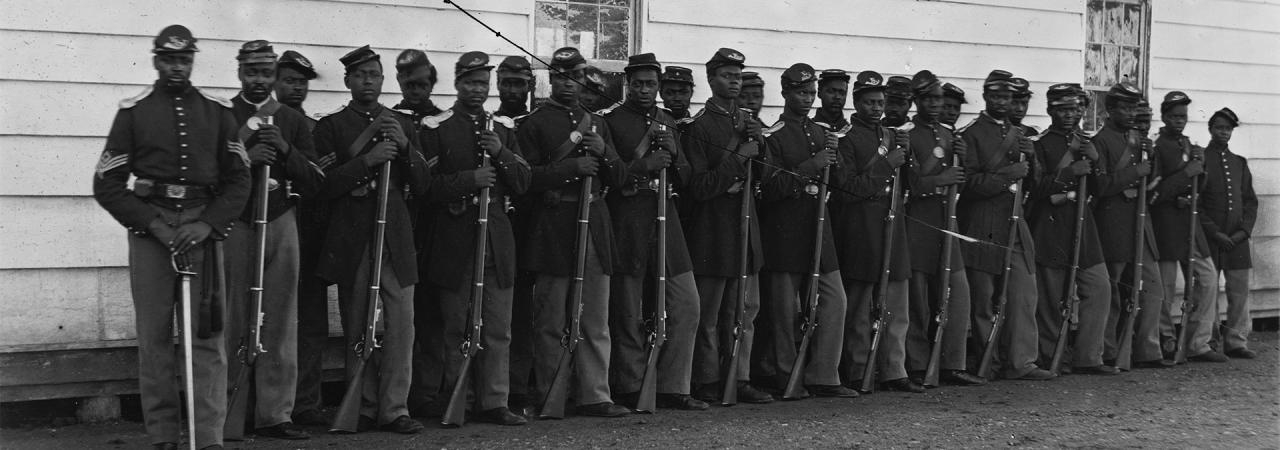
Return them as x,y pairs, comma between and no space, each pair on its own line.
749,394
709,392
283,431
1209,356
902,385
1096,370
682,402
603,409
310,417
834,390
404,425
627,399
961,378
1242,353
501,416
165,446
1154,364
1037,374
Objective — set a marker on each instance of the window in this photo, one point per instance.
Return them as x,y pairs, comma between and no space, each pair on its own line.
603,30
1116,49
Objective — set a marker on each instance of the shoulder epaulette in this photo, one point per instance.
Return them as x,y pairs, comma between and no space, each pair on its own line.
1033,129
319,116
843,131
967,125
773,128
609,110
1040,134
505,121
133,101
436,120
214,98
824,125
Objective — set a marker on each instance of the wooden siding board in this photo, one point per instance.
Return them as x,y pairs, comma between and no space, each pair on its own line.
47,306
1218,13
59,232
1188,41
1253,80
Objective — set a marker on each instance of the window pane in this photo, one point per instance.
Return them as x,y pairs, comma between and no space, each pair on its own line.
582,23
1133,25
1128,67
626,3
1115,23
550,20
1097,24
1093,66
1096,116
615,33
1110,65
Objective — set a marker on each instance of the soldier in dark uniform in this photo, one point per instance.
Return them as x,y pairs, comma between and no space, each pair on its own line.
1063,155
1228,211
515,84
1115,209
788,214
1180,161
934,147
870,156
353,144
897,102
833,89
592,96
417,77
192,182
455,140
294,74
646,145
676,91
719,142
1021,102
997,163
952,98
751,95
562,149
286,146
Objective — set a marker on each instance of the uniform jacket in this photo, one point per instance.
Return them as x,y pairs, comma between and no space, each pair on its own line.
927,207
987,204
1053,226
789,204
185,138
449,142
297,168
550,244
860,207
634,207
1228,204
352,215
1171,206
713,193
1114,211
831,123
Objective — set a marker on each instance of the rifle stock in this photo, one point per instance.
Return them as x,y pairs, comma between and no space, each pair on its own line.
948,247
456,413
251,344
880,310
1002,297
1071,296
1124,355
729,396
647,400
558,393
347,419
1189,281
794,390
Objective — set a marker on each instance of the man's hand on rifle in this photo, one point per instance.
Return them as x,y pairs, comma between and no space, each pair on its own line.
655,160
663,139
381,152
390,128
1015,171
261,154
270,134
1143,167
593,143
754,129
485,176
490,143
951,175
820,160
1194,168
959,147
586,165
896,157
1081,167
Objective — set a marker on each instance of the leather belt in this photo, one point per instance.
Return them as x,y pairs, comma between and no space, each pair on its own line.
147,188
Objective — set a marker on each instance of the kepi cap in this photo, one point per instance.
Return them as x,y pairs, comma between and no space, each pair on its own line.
1020,86
1174,98
898,87
868,80
471,62
358,56
833,75
752,79
1125,92
677,74
594,77
568,59
642,61
1062,94
798,75
953,91
256,52
298,62
411,59
515,67
924,83
726,57
1226,113
174,39
998,80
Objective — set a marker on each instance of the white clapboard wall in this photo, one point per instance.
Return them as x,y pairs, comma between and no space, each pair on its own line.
62,276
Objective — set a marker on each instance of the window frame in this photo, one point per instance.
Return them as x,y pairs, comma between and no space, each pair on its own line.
1097,109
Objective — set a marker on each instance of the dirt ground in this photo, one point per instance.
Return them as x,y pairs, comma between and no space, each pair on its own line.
1199,405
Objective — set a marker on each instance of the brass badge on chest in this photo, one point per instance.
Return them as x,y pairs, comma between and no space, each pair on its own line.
939,153
882,150
575,136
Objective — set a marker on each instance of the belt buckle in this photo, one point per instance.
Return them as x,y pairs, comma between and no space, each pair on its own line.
653,184
175,191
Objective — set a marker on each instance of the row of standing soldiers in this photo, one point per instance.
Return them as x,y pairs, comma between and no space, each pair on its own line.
672,260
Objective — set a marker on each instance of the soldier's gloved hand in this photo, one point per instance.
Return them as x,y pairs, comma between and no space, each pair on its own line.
162,232
380,153
1090,151
1224,241
485,176
656,160
1081,167
270,134
1015,171
902,137
754,129
1146,144
951,175
490,143
959,147
391,129
261,154
1144,168
1025,146
896,157
1197,152
663,139
190,235
586,165
593,143
826,157
1194,167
